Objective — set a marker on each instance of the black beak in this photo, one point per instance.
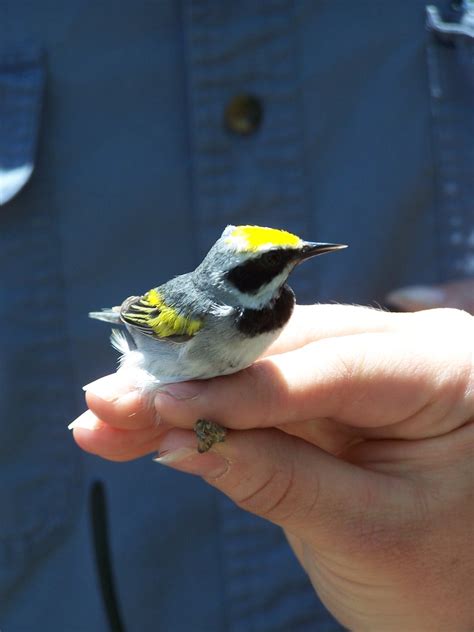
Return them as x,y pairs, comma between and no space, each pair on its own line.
312,249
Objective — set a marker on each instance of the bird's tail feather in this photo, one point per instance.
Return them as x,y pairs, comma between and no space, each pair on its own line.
109,315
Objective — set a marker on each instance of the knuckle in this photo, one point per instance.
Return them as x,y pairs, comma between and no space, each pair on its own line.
344,367
273,498
263,380
345,361
347,378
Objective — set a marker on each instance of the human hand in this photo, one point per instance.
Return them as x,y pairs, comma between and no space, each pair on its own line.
354,436
458,294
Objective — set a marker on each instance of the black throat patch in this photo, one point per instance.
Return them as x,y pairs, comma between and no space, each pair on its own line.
253,322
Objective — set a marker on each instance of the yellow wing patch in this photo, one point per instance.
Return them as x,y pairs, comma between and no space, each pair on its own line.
151,314
255,238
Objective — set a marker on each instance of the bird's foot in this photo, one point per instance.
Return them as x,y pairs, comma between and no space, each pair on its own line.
208,433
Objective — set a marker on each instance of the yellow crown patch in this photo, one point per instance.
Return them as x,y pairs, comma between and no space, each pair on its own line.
255,238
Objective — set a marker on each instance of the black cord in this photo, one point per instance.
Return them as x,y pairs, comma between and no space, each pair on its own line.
100,535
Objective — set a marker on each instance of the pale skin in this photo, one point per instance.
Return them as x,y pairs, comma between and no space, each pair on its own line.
355,435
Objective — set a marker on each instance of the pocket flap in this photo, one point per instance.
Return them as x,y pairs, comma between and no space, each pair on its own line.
22,78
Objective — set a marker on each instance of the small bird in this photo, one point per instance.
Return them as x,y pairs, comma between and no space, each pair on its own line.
215,320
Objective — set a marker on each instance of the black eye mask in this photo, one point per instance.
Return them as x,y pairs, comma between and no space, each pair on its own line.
250,276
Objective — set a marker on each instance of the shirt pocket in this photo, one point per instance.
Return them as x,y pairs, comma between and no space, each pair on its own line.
21,90
39,463
451,74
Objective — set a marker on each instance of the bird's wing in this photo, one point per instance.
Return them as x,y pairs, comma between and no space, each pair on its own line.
150,315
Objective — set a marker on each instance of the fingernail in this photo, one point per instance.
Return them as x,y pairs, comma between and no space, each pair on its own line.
175,456
86,420
417,296
210,464
182,390
179,450
108,388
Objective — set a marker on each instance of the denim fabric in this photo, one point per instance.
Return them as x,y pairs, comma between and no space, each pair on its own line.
451,66
21,91
136,175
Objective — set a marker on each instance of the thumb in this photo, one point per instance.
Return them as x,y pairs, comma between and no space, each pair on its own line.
280,478
458,294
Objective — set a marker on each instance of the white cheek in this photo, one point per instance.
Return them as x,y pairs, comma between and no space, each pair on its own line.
264,296
277,282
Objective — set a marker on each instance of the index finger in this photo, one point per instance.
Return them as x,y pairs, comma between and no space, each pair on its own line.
309,323
365,380
119,406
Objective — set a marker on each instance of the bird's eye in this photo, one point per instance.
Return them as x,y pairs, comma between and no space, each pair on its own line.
272,258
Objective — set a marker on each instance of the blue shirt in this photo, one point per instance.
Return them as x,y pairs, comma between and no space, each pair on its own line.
358,126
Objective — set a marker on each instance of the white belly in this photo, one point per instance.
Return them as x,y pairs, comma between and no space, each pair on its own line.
156,362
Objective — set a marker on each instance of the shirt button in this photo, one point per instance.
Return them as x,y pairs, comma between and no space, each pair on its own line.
243,115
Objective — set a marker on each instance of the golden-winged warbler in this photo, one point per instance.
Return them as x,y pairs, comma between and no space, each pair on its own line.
215,320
